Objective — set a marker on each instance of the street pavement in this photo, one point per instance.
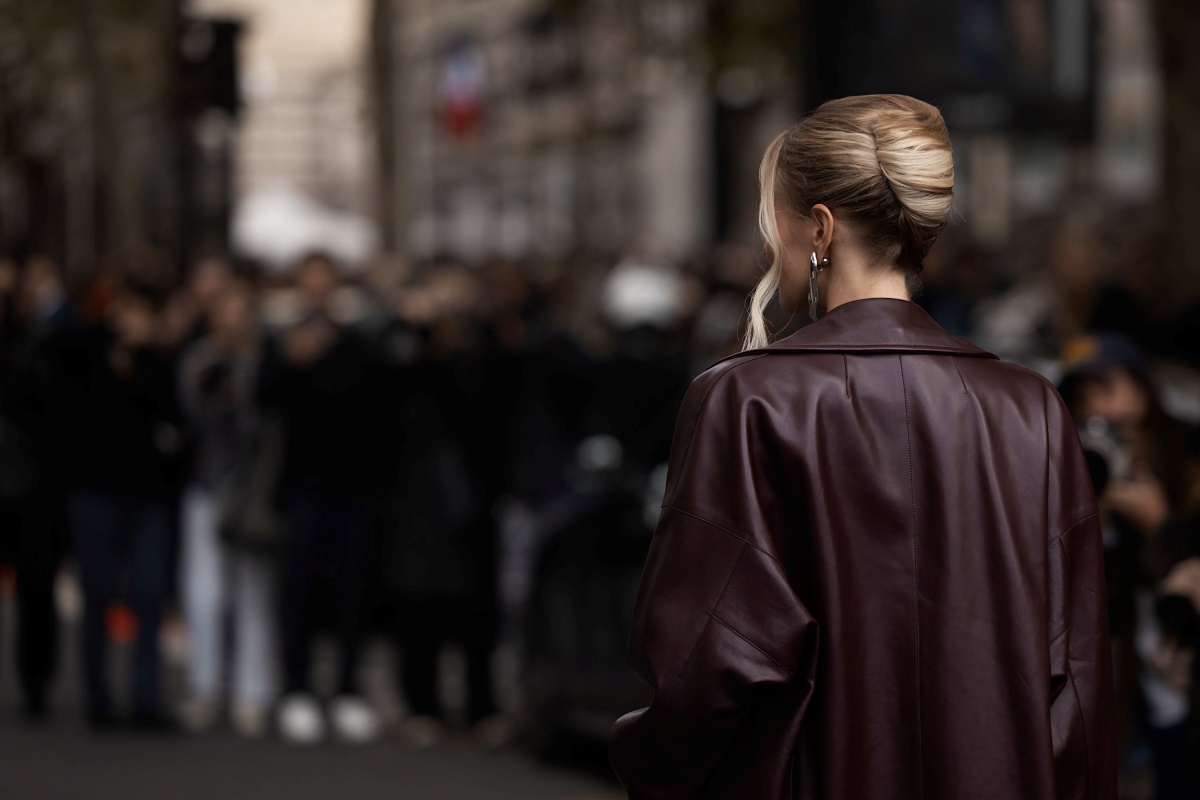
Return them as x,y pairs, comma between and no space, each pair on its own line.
65,762
60,759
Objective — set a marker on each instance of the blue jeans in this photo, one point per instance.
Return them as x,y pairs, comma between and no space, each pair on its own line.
117,535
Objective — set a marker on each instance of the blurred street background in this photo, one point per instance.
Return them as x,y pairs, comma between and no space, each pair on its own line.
341,343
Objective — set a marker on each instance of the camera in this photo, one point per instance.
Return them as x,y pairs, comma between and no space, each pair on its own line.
1108,456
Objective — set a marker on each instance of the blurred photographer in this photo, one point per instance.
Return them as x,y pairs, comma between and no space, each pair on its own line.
1138,456
218,375
321,376
118,436
32,469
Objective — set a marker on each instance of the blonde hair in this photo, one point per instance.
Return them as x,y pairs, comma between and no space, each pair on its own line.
883,161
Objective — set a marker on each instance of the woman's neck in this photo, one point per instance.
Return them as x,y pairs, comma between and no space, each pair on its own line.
852,279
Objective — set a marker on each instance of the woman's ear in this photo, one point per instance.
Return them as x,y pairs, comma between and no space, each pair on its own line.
823,231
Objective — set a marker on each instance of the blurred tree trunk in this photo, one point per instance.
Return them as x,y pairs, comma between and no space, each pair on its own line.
389,186
169,220
1179,39
86,98
123,225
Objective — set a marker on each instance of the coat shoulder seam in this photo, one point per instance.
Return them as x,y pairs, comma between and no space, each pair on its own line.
710,616
743,637
723,529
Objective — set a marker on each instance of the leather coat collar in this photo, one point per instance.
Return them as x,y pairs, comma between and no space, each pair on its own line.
873,325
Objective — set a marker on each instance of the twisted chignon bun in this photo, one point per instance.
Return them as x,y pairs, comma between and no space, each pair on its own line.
883,161
913,150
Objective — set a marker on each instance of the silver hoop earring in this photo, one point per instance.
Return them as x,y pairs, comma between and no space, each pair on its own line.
813,269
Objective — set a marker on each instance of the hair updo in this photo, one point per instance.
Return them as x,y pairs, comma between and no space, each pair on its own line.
881,160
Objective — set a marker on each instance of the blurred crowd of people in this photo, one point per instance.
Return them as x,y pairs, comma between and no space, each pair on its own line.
275,457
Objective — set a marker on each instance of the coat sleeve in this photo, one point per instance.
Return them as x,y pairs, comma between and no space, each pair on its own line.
716,621
1081,684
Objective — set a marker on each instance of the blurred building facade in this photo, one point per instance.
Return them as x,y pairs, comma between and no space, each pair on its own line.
519,129
531,129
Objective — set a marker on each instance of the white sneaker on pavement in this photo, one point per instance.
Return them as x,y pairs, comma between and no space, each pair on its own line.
300,719
354,719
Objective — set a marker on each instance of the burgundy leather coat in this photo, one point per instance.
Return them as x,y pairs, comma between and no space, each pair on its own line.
878,574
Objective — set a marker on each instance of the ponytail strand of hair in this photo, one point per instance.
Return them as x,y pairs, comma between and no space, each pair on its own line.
756,328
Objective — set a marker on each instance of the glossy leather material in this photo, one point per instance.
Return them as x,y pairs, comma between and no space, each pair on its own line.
878,574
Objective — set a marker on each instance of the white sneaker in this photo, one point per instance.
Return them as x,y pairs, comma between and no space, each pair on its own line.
300,719
354,719
250,720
